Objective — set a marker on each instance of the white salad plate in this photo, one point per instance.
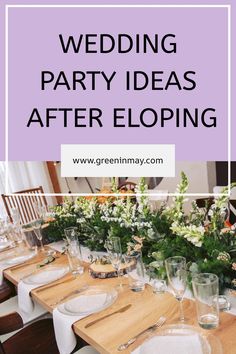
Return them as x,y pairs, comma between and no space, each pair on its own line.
46,275
93,299
4,244
20,259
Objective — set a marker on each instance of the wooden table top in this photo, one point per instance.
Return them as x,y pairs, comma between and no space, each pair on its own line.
146,308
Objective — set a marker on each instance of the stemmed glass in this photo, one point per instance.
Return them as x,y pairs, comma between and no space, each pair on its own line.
15,214
40,210
177,277
38,233
114,251
17,227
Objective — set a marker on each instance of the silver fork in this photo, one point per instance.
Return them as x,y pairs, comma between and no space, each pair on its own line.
156,325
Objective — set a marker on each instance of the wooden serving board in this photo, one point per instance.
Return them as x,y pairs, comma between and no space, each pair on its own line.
103,271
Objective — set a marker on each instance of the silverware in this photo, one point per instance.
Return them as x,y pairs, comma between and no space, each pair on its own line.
156,325
8,255
22,265
123,309
35,271
77,291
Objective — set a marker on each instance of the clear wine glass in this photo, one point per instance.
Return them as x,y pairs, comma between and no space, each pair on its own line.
114,251
38,233
15,214
177,278
41,210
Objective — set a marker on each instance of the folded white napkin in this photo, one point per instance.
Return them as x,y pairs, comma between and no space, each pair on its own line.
65,337
27,308
171,345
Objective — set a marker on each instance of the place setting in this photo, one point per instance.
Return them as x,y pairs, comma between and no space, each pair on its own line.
18,254
89,300
131,275
182,337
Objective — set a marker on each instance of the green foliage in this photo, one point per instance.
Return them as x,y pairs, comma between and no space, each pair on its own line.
166,232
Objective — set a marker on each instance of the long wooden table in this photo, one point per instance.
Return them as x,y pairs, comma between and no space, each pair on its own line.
146,308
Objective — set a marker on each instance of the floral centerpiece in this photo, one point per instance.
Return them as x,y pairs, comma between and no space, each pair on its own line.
203,236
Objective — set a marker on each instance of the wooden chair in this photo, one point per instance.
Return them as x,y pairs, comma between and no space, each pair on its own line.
36,338
7,290
127,186
207,202
232,211
204,202
25,204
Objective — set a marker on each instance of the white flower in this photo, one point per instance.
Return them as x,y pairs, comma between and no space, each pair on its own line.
192,233
233,282
224,257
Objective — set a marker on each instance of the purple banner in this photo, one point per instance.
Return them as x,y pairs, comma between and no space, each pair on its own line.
131,76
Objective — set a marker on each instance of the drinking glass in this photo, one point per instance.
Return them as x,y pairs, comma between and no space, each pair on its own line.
38,233
114,251
177,278
135,271
41,210
157,276
2,229
159,286
15,214
17,237
75,258
206,292
71,234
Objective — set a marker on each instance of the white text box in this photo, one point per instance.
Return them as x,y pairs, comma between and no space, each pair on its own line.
126,160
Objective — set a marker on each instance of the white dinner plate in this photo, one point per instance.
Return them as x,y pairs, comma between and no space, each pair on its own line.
92,299
180,339
46,275
20,259
4,244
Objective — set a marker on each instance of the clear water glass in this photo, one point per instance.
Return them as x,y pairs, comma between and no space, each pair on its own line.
177,277
206,292
159,286
71,234
135,271
75,258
